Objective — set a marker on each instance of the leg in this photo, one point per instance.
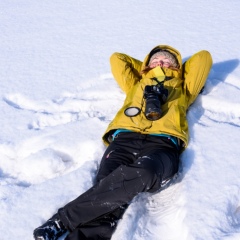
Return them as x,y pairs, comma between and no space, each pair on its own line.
114,156
118,188
53,228
102,228
92,214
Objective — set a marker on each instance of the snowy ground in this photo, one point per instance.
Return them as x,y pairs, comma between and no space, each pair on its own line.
57,96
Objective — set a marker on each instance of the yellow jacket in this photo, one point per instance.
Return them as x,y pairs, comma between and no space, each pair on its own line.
183,88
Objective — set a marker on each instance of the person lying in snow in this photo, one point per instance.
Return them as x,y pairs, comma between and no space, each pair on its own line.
144,141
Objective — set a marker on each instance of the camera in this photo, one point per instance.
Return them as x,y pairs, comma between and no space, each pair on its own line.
155,96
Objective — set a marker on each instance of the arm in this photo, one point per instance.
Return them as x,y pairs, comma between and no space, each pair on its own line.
125,70
196,70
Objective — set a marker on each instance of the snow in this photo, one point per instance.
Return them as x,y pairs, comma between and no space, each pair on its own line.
57,96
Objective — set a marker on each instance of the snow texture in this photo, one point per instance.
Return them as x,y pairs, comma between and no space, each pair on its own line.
57,96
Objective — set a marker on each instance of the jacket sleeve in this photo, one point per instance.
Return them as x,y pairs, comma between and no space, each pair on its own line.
125,70
196,70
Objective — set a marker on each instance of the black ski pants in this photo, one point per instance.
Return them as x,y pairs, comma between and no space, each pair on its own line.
133,163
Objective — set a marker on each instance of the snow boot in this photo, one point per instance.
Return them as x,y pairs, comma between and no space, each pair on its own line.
51,230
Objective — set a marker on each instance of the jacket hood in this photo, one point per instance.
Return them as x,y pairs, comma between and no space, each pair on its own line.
172,50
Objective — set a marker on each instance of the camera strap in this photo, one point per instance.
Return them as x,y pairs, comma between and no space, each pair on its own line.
161,82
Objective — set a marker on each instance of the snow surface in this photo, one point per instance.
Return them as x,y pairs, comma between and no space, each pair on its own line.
57,96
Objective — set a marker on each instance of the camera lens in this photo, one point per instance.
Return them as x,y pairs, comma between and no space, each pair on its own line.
153,109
